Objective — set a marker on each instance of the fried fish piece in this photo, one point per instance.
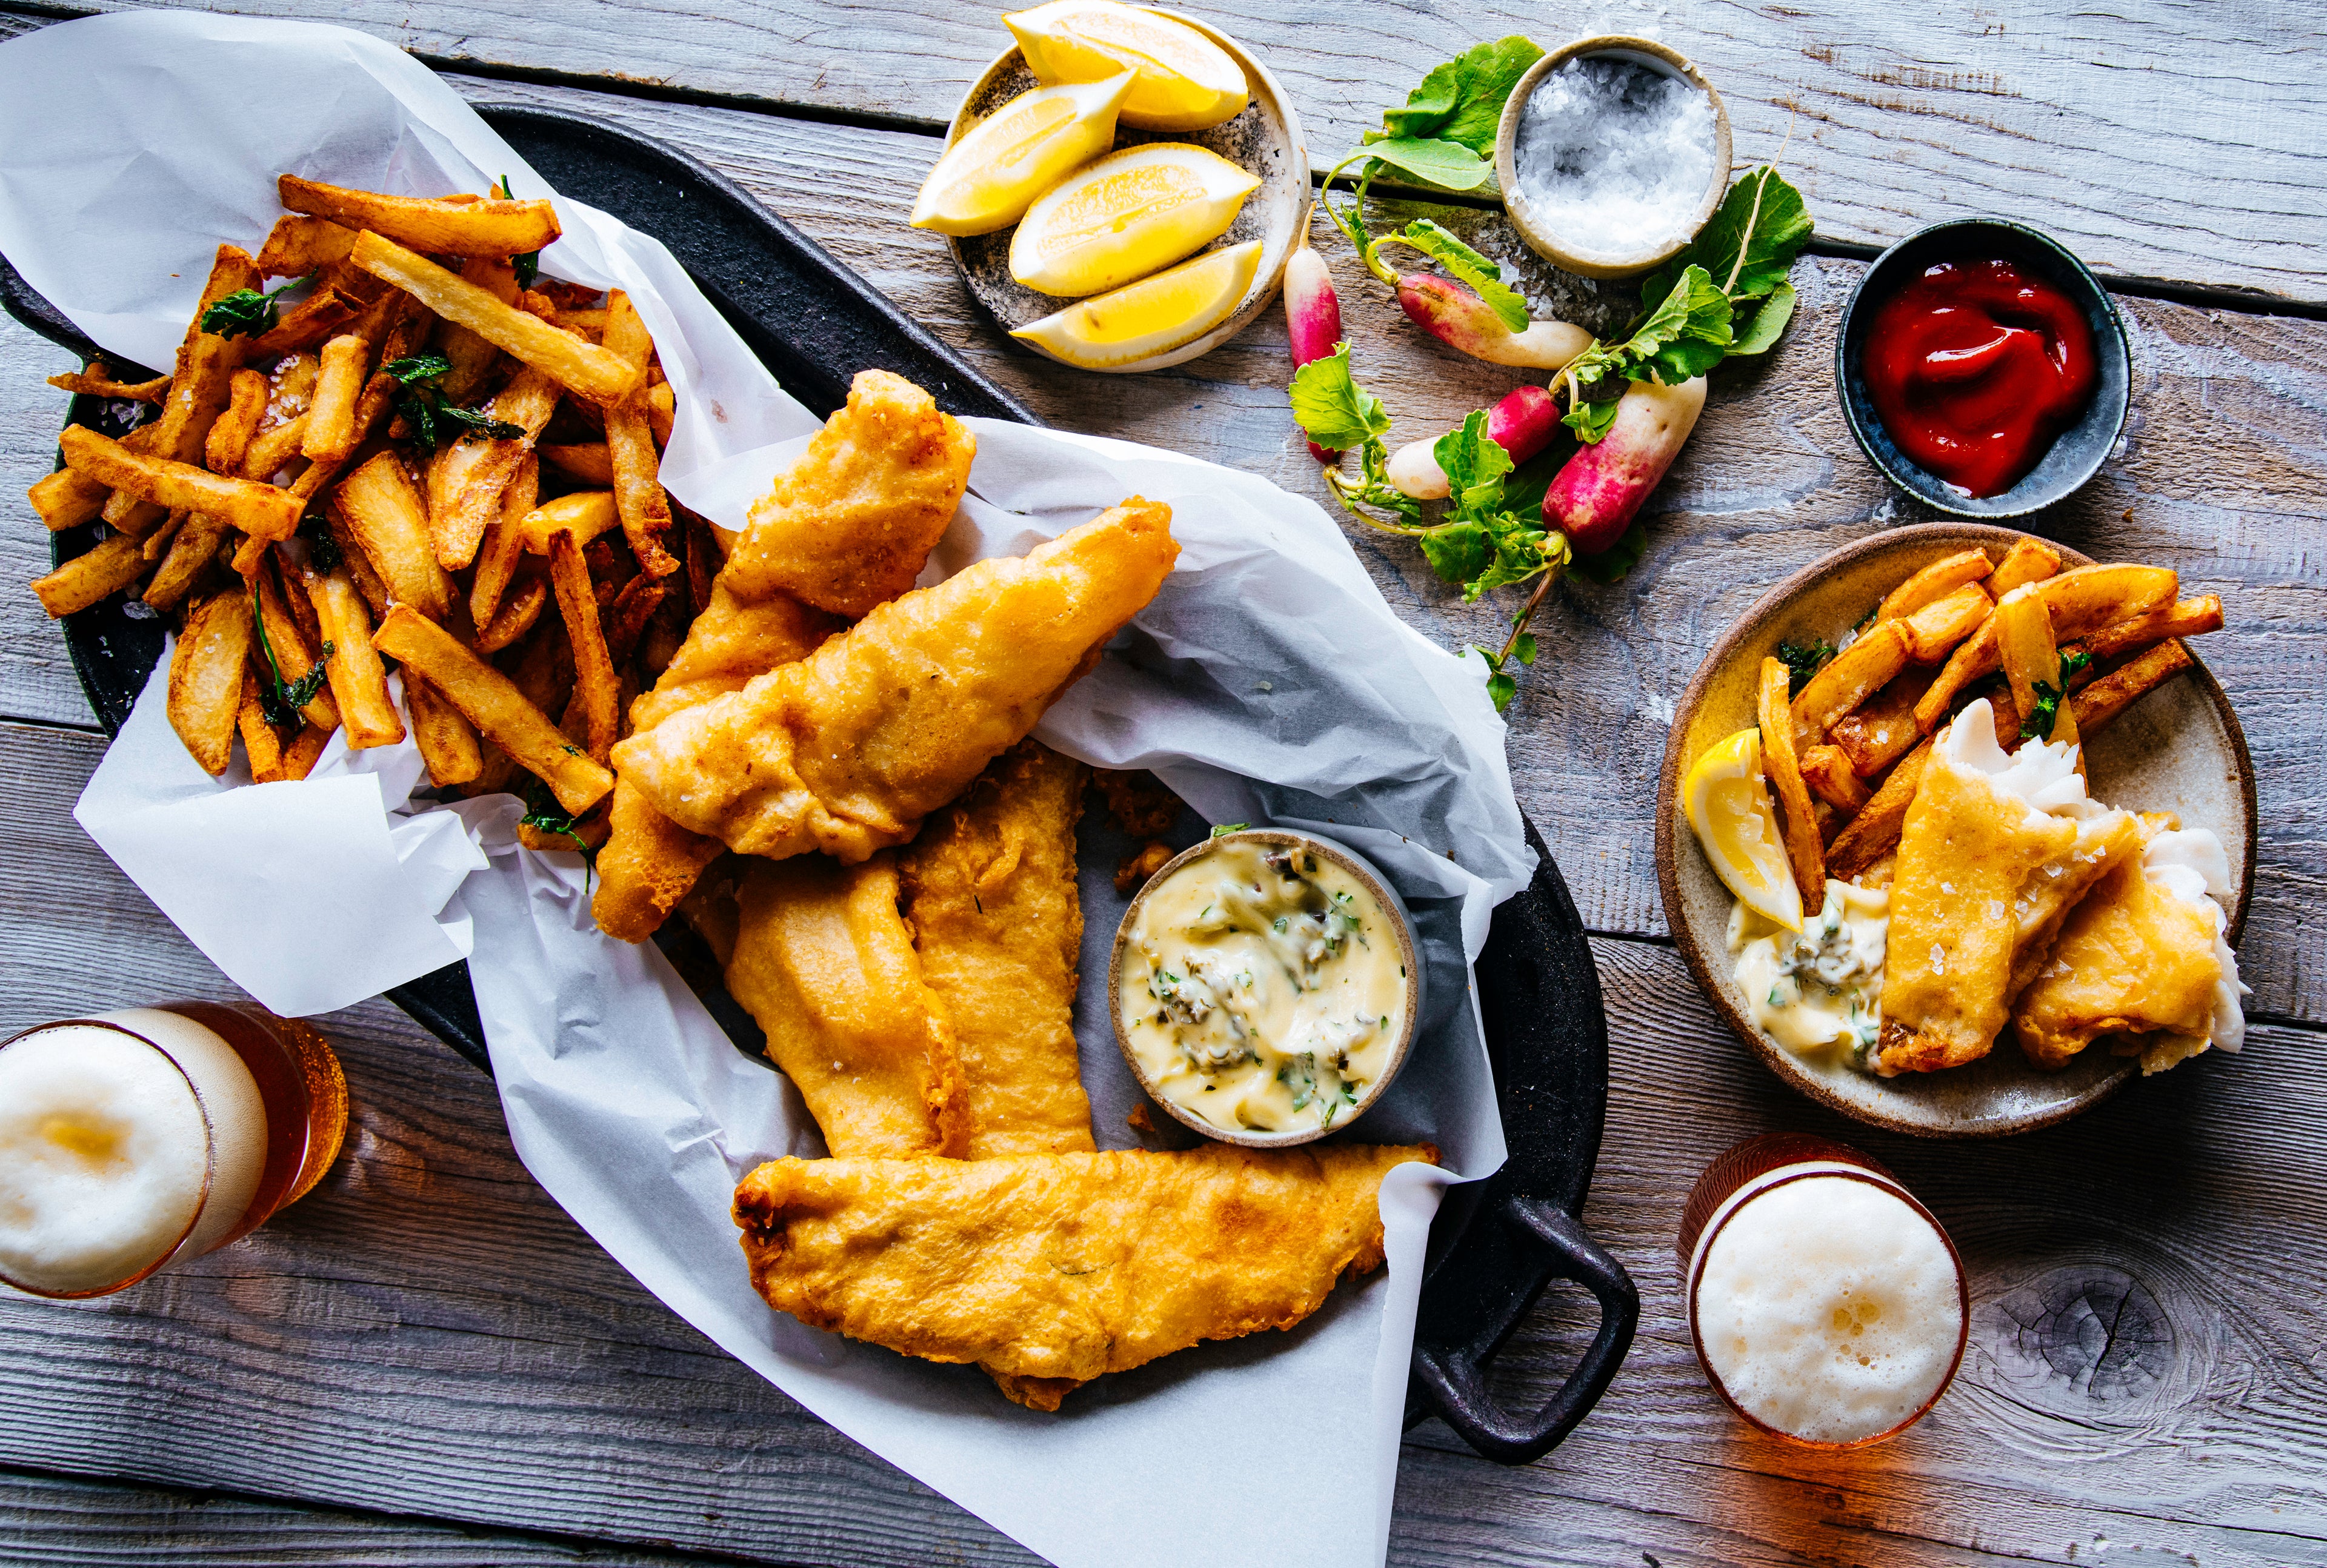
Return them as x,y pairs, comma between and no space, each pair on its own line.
2143,961
850,524
848,751
1994,854
1048,1270
990,894
823,962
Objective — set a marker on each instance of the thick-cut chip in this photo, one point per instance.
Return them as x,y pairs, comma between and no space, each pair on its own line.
2080,603
626,618
1826,770
504,542
438,225
298,244
584,368
2117,691
294,646
96,575
358,682
206,676
156,545
2028,561
260,743
274,448
229,442
2031,663
199,389
95,381
662,411
2186,618
472,358
1882,729
520,608
595,685
582,515
190,555
331,417
468,478
447,744
305,326
1934,583
259,510
492,702
1874,832
1848,680
1805,850
1934,631
66,499
588,462
381,508
631,447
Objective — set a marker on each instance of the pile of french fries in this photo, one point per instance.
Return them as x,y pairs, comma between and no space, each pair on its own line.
433,458
2057,654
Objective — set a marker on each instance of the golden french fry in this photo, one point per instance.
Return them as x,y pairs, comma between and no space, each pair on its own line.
631,446
625,619
94,381
436,225
359,681
260,743
2078,603
2115,692
295,646
190,557
331,417
583,514
1882,729
2028,561
1828,771
381,508
1934,583
299,757
1805,850
472,358
360,569
199,389
504,542
586,369
108,566
2186,618
468,479
595,684
270,450
493,703
2031,660
228,442
66,499
1933,631
298,244
704,559
330,309
587,462
448,746
260,510
156,545
1874,832
1848,678
206,676
662,411
519,608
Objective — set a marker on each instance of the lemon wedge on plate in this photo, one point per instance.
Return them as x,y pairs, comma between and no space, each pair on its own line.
1186,81
1728,804
1152,315
988,179
1126,215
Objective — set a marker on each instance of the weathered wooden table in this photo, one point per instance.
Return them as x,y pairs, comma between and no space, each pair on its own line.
427,1363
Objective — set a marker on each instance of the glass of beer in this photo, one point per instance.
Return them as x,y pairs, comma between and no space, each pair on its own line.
1828,1306
135,1139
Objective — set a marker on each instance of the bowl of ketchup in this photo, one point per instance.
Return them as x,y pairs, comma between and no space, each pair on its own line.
1983,369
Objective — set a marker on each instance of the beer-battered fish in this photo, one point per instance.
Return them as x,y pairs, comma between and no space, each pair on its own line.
990,894
823,961
848,751
1049,1269
1996,850
849,525
2143,961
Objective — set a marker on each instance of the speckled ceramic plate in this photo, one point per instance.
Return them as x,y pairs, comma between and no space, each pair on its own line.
2179,748
1265,139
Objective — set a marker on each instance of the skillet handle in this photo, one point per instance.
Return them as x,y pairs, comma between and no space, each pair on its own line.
1452,1377
36,312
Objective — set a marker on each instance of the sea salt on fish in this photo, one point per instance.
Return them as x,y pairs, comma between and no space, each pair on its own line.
1613,157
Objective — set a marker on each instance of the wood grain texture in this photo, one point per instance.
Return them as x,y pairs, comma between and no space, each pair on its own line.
429,1334
2155,138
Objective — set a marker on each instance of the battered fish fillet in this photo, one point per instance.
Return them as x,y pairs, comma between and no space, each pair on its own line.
823,961
1049,1269
1994,853
848,751
990,894
2142,961
849,525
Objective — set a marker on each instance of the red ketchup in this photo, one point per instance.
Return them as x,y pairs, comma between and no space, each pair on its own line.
1975,366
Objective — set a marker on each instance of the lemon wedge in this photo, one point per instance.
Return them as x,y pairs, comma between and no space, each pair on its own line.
1729,806
1152,315
1186,81
988,179
1130,213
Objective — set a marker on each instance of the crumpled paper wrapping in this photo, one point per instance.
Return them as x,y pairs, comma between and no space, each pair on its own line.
1267,682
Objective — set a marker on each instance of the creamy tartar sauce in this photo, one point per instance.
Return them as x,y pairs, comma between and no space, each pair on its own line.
1822,987
1262,987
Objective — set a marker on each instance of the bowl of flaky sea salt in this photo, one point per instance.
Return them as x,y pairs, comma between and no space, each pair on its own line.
1612,152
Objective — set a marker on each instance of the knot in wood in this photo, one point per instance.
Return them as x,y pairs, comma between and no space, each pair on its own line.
2089,1331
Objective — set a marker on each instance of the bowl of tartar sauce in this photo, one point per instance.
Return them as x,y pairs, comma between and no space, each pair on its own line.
1265,986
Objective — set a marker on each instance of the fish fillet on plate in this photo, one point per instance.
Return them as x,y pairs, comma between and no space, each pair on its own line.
990,888
1049,1270
848,749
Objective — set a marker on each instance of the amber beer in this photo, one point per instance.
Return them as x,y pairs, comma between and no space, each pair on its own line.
1827,1305
135,1139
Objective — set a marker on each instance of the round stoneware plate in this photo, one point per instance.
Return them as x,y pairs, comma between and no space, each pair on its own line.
2179,748
1265,139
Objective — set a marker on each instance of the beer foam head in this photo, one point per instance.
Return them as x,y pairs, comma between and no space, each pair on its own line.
1828,1308
103,1152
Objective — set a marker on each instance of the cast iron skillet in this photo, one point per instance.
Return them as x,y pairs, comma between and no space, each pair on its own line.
1496,1245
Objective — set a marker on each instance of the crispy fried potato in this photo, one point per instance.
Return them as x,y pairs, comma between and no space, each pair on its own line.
468,478
586,369
626,618
358,682
472,358
295,645
520,608
1874,832
437,226
259,510
1826,770
271,449
2024,646
260,743
504,542
206,677
583,516
588,462
93,381
1805,852
2078,602
66,499
630,448
199,389
448,746
331,417
493,703
2115,692
190,555
1882,729
662,411
298,244
229,442
329,309
380,507
113,563
1934,583
1848,678
2187,617
156,545
2028,561
1933,631
595,684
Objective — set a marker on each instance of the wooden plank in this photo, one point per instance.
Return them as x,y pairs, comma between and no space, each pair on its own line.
427,1334
36,675
2154,139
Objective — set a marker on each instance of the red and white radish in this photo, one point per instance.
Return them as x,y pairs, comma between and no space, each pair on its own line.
1599,491
1313,315
1460,319
1522,423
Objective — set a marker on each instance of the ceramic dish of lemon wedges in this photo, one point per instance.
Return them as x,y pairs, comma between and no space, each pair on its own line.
1120,189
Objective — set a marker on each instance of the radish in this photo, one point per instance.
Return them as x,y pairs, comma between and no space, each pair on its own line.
1313,315
1598,492
1460,319
1522,423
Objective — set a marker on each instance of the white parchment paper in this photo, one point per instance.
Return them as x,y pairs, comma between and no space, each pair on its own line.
1269,682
